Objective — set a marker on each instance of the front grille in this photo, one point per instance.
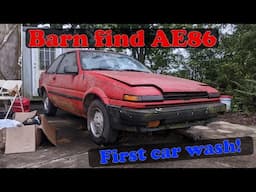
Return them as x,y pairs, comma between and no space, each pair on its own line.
185,95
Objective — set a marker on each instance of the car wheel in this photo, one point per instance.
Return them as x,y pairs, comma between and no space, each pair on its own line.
49,108
98,124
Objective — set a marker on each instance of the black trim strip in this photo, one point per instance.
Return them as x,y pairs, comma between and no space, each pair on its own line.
67,96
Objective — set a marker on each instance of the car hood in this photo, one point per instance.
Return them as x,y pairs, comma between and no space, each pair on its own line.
164,82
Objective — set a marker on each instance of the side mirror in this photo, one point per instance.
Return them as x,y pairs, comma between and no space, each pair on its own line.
71,70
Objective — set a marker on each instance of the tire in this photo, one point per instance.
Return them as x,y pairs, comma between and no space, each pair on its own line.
98,124
49,108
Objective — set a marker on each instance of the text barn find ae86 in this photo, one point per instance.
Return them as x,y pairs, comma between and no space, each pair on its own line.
108,38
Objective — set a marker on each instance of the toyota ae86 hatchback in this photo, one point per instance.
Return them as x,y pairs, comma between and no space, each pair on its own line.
115,92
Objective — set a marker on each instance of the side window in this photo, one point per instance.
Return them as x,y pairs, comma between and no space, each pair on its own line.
69,60
53,67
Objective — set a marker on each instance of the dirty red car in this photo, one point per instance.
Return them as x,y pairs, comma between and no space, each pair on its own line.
115,92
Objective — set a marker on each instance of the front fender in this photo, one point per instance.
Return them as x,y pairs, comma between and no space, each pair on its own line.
99,92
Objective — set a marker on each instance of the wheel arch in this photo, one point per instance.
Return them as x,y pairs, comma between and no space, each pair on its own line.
41,91
92,94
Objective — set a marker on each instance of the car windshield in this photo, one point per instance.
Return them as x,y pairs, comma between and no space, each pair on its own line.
110,61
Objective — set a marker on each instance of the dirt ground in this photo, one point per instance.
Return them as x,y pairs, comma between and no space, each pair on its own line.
73,144
239,118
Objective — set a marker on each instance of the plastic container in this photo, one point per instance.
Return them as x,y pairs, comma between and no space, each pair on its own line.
227,100
26,105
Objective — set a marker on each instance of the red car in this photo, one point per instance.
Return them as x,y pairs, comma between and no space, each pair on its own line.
116,92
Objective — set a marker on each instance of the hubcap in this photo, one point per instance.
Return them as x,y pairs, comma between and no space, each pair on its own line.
97,123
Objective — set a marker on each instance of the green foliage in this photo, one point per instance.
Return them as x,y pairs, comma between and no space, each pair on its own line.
230,67
245,95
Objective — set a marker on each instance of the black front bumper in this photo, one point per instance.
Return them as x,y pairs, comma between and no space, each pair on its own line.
170,117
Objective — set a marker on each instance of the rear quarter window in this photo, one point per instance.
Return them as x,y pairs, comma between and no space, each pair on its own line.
53,67
69,60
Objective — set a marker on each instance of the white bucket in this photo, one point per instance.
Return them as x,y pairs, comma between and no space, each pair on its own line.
227,101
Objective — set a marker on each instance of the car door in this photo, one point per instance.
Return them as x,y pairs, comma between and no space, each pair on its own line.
66,90
50,79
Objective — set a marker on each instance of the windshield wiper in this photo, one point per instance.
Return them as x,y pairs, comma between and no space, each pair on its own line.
106,69
135,70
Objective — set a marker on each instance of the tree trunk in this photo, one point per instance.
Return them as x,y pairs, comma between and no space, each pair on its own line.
139,54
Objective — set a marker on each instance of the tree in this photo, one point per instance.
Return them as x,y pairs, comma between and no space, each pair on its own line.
227,66
224,67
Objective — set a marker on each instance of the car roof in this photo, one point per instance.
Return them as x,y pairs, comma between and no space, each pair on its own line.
96,51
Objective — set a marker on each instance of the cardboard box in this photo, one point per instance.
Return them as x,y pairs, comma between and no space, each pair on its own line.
26,138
